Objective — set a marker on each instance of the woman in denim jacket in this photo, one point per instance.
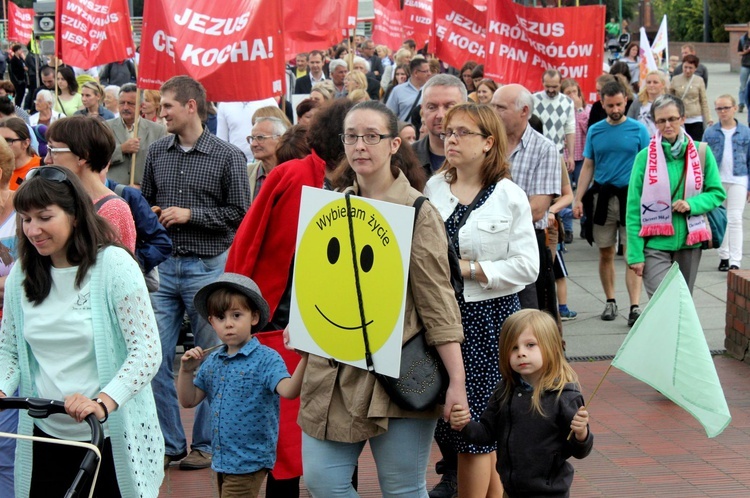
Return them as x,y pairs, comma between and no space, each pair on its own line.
734,164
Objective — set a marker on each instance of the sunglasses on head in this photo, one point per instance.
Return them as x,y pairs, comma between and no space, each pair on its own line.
51,173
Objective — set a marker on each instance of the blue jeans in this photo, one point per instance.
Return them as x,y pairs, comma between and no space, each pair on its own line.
180,278
744,74
401,456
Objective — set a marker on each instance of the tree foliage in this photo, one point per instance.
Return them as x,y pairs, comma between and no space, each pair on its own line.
685,17
727,12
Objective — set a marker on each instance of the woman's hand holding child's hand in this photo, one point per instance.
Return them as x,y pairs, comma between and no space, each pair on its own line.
192,359
460,416
580,424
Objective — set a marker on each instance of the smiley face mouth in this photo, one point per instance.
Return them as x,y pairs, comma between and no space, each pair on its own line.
336,324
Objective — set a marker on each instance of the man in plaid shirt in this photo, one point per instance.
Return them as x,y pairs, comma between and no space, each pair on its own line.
199,187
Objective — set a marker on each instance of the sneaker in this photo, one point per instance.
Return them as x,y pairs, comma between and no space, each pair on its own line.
724,265
633,316
610,312
447,487
567,314
734,267
568,237
742,108
197,459
168,459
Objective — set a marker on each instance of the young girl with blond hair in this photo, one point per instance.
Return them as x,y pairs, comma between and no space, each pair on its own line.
532,411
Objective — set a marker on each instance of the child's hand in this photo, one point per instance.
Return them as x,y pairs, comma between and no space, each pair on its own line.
580,423
460,416
192,359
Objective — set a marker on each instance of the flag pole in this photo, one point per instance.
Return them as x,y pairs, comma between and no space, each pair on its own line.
594,393
135,124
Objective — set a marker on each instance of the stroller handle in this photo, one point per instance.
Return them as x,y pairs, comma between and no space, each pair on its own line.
43,408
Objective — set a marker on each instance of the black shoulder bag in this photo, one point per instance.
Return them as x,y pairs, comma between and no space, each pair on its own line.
422,380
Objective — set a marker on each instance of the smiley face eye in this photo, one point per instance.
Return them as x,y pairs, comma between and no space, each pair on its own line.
366,258
334,249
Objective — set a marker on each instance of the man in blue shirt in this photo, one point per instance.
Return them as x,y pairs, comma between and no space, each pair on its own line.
406,96
611,147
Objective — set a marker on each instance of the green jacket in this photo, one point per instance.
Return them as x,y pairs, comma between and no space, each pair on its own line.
712,196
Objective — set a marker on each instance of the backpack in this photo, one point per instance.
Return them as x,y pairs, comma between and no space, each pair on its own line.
143,241
457,280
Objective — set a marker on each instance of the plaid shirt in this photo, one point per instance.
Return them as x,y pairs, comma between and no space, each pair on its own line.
210,179
535,167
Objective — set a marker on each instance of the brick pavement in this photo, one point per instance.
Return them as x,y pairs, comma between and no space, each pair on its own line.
644,444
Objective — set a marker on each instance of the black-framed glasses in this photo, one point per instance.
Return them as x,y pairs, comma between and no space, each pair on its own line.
718,109
51,173
459,134
260,138
670,120
11,141
368,138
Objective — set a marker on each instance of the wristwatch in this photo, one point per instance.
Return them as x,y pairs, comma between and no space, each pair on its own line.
472,270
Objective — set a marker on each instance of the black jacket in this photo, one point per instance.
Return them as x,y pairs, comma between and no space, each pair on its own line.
532,450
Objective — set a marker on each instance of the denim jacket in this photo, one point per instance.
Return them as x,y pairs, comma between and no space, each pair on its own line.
740,147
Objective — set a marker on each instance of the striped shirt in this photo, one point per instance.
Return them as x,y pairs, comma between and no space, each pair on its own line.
210,179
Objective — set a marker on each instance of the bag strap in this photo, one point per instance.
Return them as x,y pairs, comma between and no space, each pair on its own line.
120,189
415,103
466,214
101,202
368,353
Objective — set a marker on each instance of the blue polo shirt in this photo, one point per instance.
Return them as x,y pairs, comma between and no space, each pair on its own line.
241,392
613,149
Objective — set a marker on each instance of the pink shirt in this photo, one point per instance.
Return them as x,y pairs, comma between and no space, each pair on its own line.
117,212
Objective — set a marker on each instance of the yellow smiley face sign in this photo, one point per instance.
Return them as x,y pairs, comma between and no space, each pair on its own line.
336,246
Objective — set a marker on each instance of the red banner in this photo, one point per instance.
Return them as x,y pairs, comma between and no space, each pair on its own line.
317,24
387,27
234,49
417,19
93,32
20,23
523,42
459,32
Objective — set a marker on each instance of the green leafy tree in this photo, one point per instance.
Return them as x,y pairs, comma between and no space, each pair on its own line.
727,12
685,18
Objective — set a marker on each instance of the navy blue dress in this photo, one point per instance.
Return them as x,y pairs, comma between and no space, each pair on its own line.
482,321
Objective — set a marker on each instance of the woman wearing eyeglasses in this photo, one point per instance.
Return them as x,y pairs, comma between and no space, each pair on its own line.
674,182
343,407
85,147
16,134
78,326
499,257
730,142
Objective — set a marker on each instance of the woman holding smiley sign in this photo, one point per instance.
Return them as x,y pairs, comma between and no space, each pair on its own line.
496,243
343,407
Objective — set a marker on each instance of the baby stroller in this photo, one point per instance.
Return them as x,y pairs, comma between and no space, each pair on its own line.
43,408
615,47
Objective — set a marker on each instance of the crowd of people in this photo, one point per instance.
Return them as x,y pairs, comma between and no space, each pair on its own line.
182,214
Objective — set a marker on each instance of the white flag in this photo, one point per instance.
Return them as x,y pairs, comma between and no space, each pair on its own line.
646,60
660,47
